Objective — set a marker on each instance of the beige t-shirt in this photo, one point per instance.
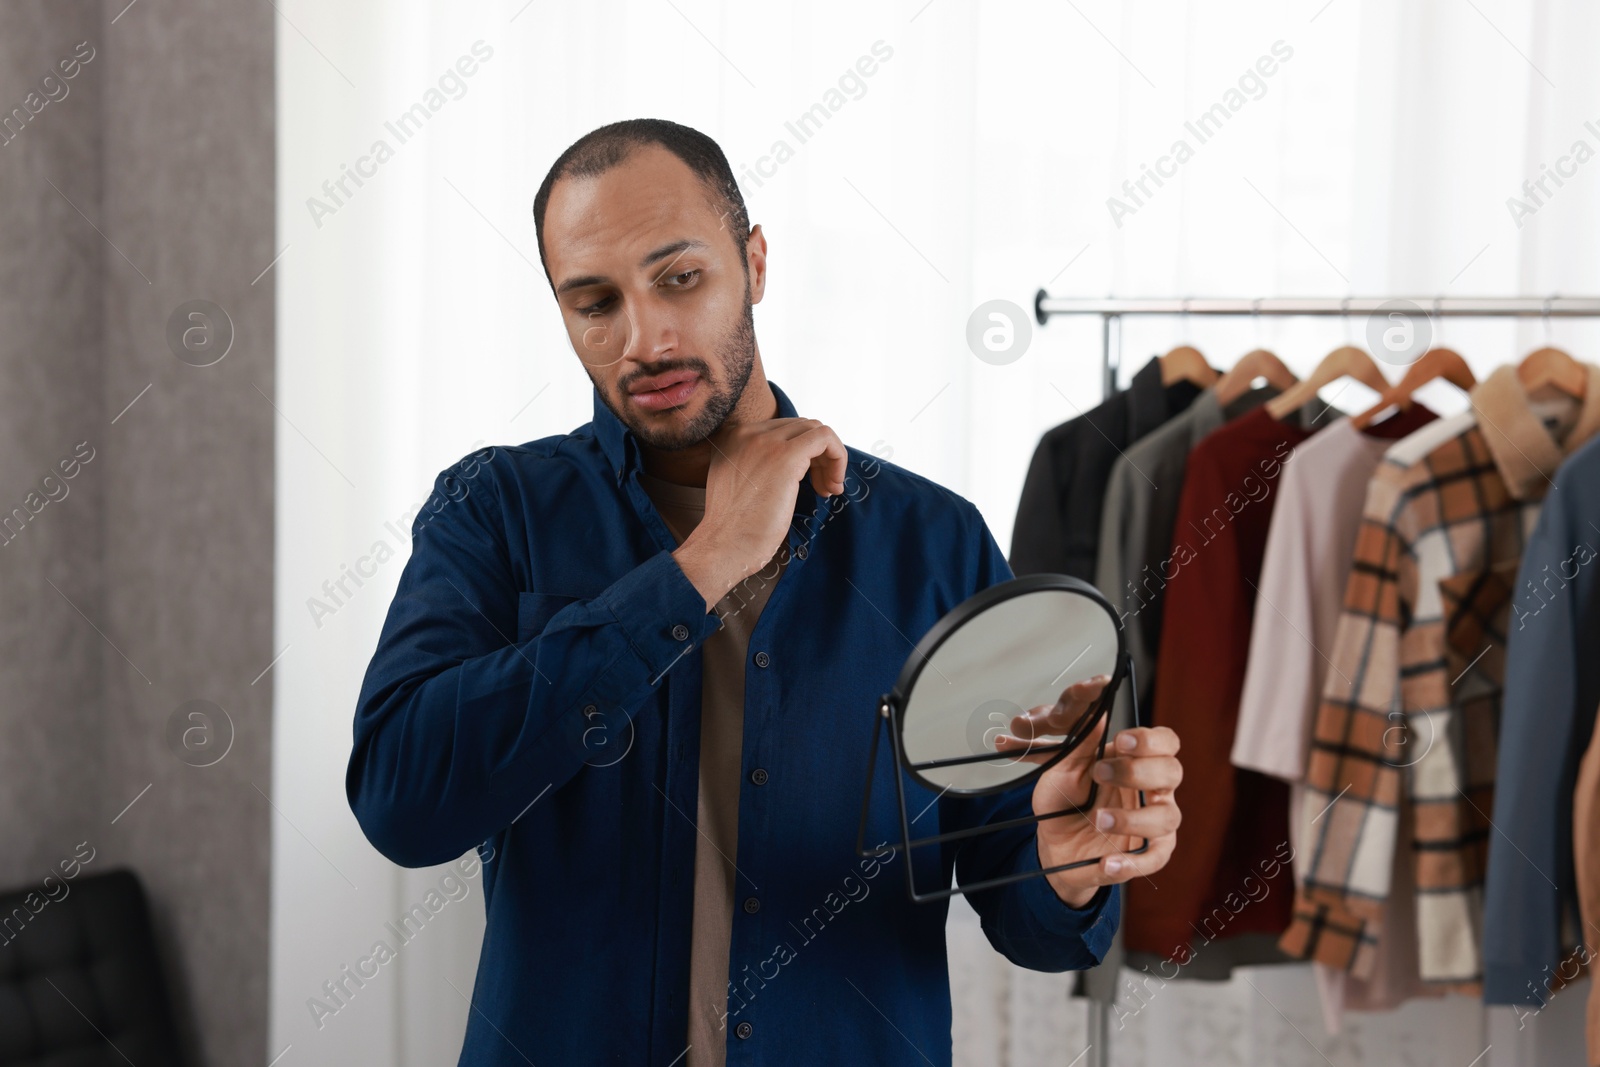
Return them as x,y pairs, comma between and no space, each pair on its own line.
716,888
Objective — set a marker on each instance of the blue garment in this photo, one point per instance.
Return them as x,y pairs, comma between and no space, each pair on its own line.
1546,721
535,694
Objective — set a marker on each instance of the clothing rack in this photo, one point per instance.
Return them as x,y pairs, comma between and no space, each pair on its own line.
1111,310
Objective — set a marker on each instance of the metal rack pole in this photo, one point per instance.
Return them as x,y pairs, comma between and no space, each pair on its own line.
1110,352
1045,305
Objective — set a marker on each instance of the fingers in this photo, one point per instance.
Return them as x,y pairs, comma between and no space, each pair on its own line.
1118,864
813,446
815,443
1061,716
829,459
1150,773
1041,748
1124,866
1025,749
1151,821
789,429
1146,741
1029,730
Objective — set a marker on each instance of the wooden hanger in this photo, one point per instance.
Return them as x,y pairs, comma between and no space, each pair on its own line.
1256,363
1346,361
1185,363
1443,363
1553,366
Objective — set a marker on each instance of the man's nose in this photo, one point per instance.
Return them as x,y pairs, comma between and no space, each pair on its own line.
652,331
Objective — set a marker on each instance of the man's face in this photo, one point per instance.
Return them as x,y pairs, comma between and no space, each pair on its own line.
655,294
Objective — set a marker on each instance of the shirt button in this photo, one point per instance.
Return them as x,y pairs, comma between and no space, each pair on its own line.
680,632
589,709
752,905
744,1030
803,551
759,776
762,659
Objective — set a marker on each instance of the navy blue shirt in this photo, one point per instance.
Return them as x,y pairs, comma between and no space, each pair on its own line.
1547,719
535,695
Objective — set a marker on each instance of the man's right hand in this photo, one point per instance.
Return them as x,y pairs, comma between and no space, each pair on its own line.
751,490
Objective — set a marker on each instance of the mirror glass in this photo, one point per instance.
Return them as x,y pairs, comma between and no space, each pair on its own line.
1014,654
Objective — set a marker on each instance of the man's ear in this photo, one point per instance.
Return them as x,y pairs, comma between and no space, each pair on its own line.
755,254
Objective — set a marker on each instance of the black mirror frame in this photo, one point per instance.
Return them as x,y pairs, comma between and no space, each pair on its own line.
890,715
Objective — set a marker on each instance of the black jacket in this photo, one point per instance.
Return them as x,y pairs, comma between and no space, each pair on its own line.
1058,519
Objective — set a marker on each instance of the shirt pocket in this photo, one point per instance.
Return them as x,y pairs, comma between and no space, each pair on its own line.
534,611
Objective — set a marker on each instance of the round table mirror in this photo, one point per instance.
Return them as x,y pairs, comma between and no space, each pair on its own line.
1011,647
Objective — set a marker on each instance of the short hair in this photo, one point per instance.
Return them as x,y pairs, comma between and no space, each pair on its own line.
602,149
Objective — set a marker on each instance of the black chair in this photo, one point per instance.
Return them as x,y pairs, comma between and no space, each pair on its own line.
80,982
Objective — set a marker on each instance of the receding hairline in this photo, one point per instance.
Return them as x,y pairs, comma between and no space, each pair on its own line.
588,171
608,147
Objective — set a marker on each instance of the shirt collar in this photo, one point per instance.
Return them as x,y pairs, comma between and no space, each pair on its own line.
621,447
1152,403
1524,450
1207,413
1147,400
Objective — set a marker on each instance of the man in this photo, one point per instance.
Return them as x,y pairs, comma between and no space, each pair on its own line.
638,665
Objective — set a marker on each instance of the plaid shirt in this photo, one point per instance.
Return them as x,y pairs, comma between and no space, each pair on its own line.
1408,720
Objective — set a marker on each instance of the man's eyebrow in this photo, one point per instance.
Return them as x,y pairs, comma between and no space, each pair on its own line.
676,248
579,283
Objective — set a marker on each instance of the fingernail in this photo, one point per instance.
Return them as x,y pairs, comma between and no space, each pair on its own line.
1102,772
1113,866
1127,742
1104,819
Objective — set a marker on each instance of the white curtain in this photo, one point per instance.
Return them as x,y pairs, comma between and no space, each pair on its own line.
974,163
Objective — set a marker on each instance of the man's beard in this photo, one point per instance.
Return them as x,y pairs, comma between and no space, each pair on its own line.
738,351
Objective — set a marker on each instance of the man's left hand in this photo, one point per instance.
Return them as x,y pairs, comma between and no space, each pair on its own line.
1138,758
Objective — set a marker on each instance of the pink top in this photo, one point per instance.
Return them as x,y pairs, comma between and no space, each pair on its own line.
1310,545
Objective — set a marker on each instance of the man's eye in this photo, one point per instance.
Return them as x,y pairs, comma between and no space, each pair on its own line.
598,305
684,278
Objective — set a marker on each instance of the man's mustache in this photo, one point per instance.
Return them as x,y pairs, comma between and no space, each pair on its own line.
699,366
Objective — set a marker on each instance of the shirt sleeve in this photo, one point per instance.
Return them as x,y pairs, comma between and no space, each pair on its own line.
461,722
1279,695
1115,576
1025,921
1039,537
